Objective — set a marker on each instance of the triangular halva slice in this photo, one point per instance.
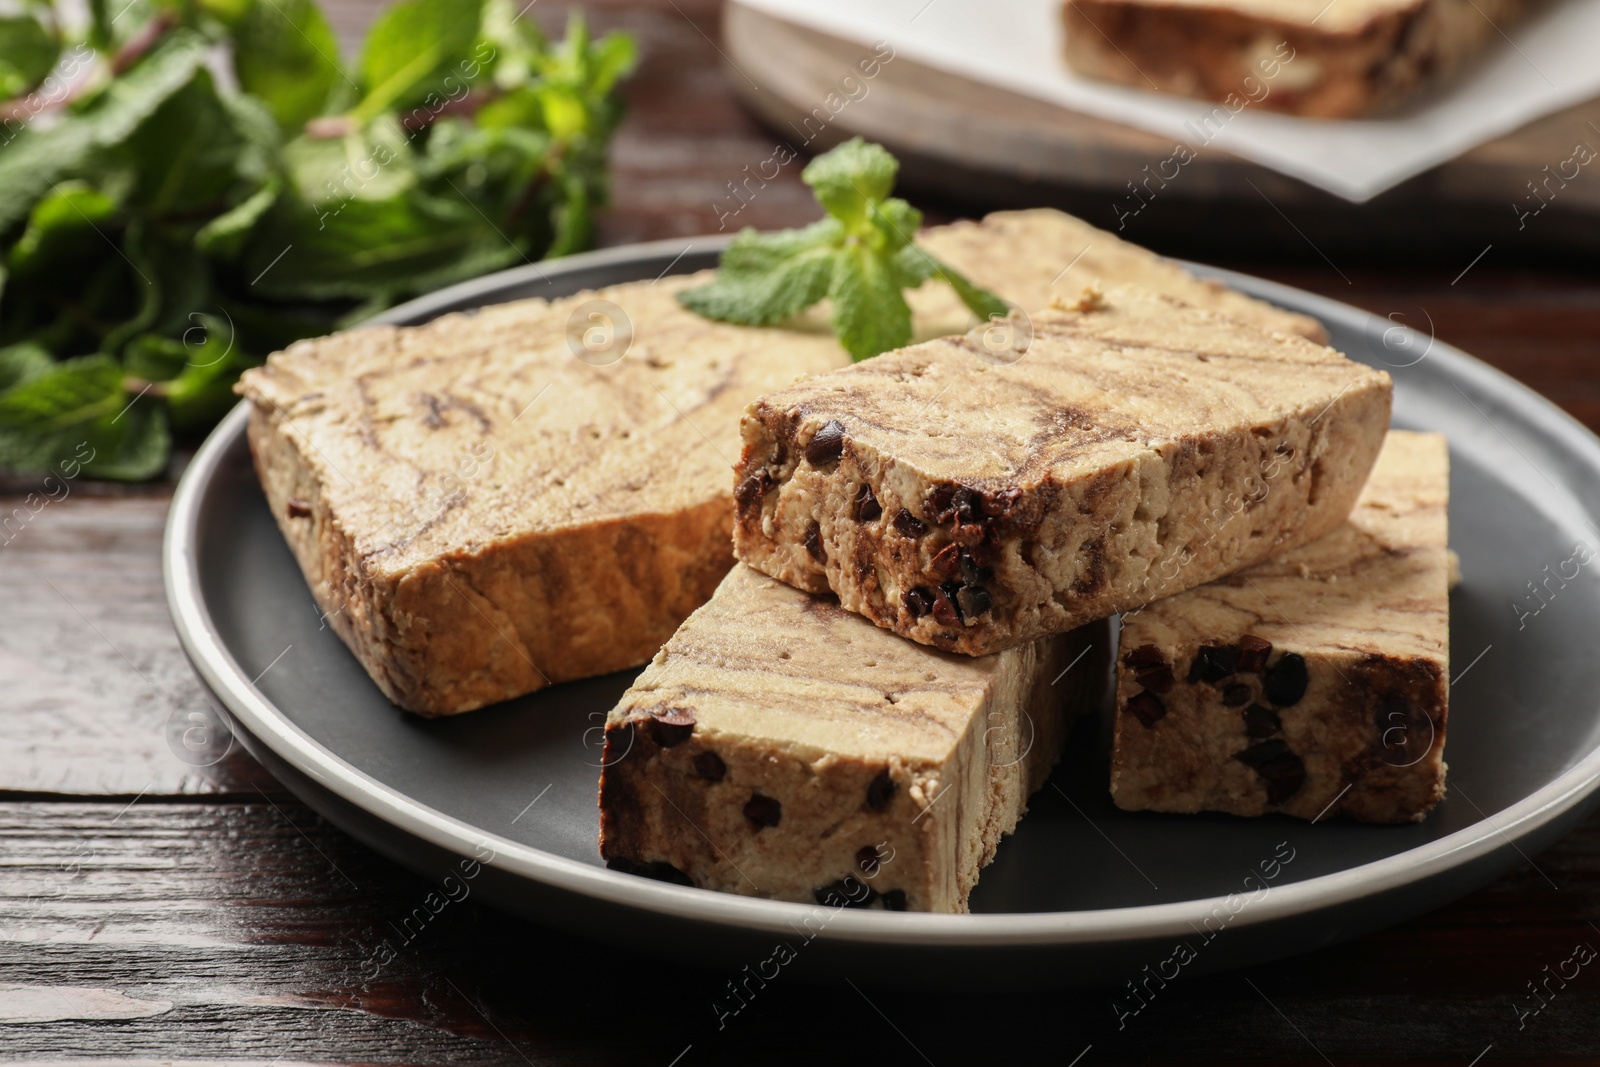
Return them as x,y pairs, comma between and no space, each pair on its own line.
973,497
779,746
538,491
1314,684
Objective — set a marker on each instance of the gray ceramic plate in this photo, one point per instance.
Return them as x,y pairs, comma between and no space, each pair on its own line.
1083,893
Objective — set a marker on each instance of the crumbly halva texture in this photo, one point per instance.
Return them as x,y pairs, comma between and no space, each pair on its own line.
538,491
1137,447
1313,684
779,746
1306,57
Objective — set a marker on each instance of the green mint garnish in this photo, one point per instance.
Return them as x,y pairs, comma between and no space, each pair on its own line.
861,256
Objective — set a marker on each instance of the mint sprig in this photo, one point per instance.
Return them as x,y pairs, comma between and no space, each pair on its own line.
162,227
861,256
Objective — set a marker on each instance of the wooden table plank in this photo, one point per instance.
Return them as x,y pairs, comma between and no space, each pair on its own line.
96,689
254,930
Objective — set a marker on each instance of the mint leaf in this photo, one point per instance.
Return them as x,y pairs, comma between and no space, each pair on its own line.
136,450
27,52
203,391
490,168
861,256
869,313
752,250
850,178
286,54
912,266
100,16
37,159
415,48
155,358
769,278
364,249
23,362
198,147
606,61
61,227
154,208
371,162
196,373
979,301
170,283
225,235
81,410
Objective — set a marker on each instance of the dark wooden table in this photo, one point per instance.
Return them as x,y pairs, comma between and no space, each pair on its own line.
151,910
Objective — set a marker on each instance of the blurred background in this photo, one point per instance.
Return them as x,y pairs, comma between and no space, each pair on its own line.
188,185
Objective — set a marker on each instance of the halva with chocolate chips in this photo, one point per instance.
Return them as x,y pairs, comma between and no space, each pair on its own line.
1330,59
538,491
1313,684
779,746
1136,447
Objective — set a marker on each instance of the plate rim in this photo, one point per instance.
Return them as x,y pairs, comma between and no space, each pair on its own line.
233,688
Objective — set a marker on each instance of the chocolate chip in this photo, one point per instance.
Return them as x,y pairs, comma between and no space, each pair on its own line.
1284,776
1147,708
763,810
826,444
867,507
1235,694
709,766
959,502
1258,755
813,543
1286,680
1144,656
908,524
867,859
999,505
1260,721
971,572
670,726
967,504
749,491
847,892
1213,663
880,791
973,601
297,508
1253,653
660,870
945,611
618,743
1404,734
919,601
894,900
1157,678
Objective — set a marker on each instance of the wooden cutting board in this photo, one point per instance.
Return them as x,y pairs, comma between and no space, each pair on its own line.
984,147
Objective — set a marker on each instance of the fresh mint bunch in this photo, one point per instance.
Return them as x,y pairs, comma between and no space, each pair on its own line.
162,228
861,256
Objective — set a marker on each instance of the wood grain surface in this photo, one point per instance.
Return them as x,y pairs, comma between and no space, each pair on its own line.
154,911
